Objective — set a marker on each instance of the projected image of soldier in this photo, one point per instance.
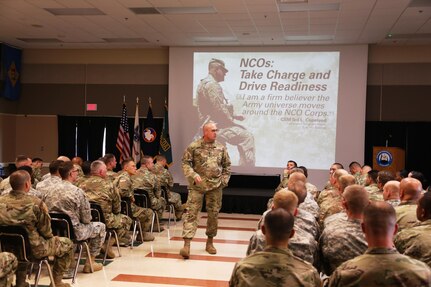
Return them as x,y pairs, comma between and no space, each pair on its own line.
213,106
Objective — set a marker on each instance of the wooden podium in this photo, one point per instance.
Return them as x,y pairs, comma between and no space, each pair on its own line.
388,158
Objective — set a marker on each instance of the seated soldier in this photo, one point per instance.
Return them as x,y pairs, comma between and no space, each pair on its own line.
167,182
302,244
100,190
410,191
275,265
18,208
123,185
71,200
342,240
381,265
416,241
145,179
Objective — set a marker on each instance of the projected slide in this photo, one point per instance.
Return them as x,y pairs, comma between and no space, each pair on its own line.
270,107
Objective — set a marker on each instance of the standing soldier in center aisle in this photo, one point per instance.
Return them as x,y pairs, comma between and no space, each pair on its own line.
101,191
123,185
206,166
167,182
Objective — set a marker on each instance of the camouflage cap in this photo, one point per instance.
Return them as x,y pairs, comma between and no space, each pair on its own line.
217,63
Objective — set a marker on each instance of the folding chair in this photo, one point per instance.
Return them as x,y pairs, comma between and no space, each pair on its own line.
169,205
144,200
97,215
126,208
61,225
14,239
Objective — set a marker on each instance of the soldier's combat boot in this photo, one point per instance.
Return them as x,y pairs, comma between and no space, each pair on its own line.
185,251
111,254
21,275
96,266
58,280
210,247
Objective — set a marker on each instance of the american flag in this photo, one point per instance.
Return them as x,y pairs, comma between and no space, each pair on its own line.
123,140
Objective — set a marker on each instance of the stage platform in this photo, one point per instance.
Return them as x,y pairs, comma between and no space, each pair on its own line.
246,194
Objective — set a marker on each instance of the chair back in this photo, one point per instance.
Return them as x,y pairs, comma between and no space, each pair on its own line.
14,239
165,193
96,212
126,206
61,225
142,198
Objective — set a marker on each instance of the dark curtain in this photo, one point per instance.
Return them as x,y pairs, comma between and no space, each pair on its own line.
66,135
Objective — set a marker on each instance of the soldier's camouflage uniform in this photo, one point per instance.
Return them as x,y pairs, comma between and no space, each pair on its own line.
374,193
213,106
8,266
111,175
32,191
394,202
37,174
302,245
123,185
359,178
4,184
274,267
340,241
167,182
380,267
310,205
101,191
50,183
406,214
145,179
212,163
335,217
330,204
19,208
416,241
71,200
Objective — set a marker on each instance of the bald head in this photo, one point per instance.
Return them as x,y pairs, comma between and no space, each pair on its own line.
336,176
298,187
391,190
344,181
355,198
379,220
286,200
410,189
19,179
63,158
298,176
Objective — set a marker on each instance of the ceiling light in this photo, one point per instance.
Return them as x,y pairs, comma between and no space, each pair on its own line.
187,10
309,38
285,7
215,39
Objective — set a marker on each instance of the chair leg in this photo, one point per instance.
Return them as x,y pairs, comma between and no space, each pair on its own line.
87,250
152,222
36,280
118,242
51,278
107,246
134,233
75,271
140,231
157,220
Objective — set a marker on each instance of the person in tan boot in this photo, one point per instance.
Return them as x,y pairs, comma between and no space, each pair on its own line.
206,165
71,200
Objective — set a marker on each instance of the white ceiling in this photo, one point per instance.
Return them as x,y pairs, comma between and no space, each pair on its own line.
234,23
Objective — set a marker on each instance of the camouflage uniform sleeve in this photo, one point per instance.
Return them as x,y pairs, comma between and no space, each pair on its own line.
334,280
225,176
84,212
282,184
43,220
116,200
187,164
215,97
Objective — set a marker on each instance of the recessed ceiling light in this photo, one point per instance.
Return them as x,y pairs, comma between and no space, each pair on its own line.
309,38
215,39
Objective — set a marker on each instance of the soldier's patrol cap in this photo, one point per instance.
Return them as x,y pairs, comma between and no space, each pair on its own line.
217,63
